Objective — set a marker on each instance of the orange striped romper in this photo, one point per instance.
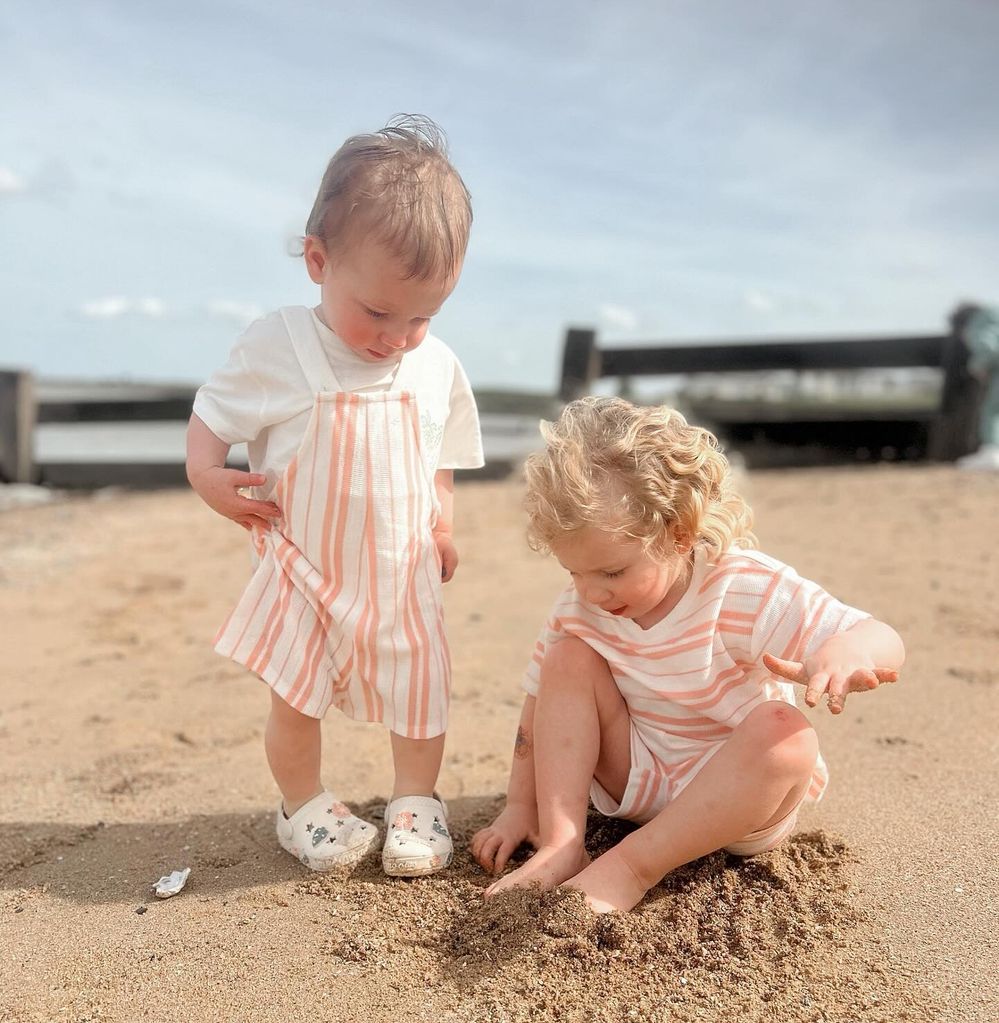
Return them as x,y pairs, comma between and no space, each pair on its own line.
345,608
692,677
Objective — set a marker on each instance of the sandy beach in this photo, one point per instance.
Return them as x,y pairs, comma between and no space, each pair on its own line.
128,749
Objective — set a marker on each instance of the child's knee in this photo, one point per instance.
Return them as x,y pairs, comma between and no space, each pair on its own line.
784,736
570,661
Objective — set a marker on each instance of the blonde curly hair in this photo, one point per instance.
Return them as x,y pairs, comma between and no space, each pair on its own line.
642,472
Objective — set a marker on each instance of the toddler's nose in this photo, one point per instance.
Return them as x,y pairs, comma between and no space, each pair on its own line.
395,339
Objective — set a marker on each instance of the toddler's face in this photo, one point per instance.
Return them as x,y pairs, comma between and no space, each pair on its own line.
367,302
618,576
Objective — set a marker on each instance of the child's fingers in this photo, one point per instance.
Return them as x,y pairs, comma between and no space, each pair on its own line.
487,854
478,843
238,478
862,681
485,851
794,671
816,686
449,562
249,521
490,853
265,509
836,690
503,856
886,674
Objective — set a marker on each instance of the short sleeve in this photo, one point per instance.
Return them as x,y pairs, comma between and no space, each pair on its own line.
551,632
797,616
261,384
231,401
461,445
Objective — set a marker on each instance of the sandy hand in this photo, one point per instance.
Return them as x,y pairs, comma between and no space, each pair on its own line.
837,684
493,845
548,868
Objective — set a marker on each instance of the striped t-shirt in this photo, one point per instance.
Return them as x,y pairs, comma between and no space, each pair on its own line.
692,677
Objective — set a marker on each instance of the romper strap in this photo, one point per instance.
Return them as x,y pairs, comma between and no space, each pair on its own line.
309,348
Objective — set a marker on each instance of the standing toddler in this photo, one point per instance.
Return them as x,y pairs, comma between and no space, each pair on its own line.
355,418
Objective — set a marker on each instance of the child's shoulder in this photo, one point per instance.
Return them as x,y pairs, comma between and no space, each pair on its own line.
743,565
270,329
434,364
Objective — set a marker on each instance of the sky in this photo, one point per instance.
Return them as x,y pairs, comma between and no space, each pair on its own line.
656,170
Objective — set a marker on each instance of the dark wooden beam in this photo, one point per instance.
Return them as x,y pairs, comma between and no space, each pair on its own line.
854,353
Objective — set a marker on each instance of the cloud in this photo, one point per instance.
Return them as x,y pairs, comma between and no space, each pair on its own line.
617,317
113,307
240,313
10,183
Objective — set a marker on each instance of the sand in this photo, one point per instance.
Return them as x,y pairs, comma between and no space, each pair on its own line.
128,749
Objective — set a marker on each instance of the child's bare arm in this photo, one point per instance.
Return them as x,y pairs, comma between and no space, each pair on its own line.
216,485
518,821
444,485
861,658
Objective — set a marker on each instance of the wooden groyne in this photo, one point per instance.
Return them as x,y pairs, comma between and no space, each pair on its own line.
944,429
92,433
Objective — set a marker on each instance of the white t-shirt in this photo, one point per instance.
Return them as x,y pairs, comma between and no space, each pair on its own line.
261,397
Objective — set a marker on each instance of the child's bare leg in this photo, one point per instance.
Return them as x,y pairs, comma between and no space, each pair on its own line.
755,779
293,742
581,732
417,765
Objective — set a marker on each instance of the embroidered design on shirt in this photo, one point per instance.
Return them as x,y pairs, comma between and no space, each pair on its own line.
432,432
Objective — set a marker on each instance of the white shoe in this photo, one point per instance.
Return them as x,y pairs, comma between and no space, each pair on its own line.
323,834
417,841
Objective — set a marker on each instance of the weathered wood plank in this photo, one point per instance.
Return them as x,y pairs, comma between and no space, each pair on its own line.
17,419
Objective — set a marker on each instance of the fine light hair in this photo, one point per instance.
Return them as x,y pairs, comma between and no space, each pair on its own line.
397,187
644,473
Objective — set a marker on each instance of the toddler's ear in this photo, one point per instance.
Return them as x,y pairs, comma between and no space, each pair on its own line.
316,258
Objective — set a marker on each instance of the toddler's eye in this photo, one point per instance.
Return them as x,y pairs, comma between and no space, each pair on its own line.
613,575
375,315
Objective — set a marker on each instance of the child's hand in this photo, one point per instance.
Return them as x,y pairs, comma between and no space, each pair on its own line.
449,555
837,668
219,488
493,846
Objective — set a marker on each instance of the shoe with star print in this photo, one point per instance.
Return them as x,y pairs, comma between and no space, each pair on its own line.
324,835
417,841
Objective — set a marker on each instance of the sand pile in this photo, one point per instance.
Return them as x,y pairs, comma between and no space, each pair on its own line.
769,938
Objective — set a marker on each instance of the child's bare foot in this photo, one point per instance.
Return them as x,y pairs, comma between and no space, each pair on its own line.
609,884
548,867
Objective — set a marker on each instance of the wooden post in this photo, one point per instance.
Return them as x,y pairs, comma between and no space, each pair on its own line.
955,430
580,362
17,420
